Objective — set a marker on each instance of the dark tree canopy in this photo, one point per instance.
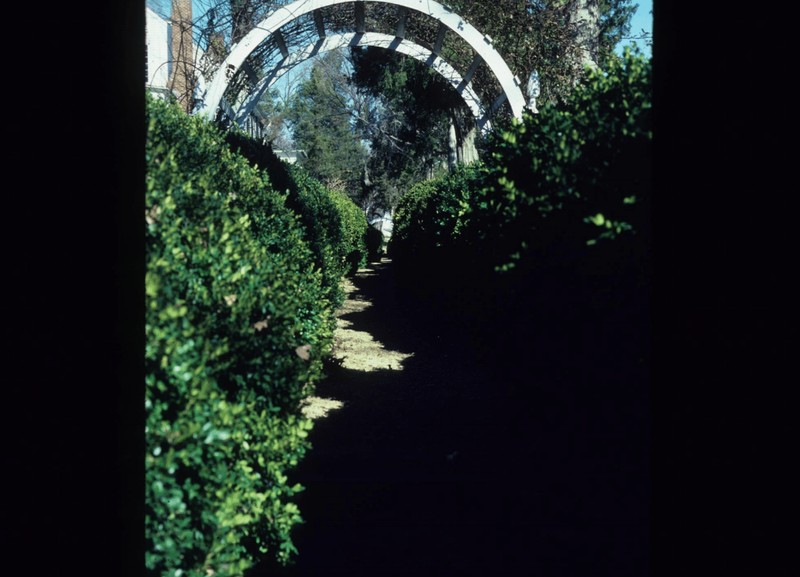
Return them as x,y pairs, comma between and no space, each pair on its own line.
409,138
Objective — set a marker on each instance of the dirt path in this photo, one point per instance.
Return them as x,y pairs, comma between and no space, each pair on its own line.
423,464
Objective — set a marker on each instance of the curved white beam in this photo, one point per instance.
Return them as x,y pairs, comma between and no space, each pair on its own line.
480,43
379,40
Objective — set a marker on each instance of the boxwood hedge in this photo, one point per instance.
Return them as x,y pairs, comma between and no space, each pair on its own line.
558,209
238,319
333,225
554,187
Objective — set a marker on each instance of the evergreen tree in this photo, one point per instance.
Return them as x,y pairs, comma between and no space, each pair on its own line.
321,117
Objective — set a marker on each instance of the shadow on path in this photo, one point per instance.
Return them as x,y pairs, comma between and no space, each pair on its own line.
444,468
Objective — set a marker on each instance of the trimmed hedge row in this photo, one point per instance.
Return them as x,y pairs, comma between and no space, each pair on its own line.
238,322
336,236
334,227
559,209
571,177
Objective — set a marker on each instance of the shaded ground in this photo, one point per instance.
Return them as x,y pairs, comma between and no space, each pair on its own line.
442,461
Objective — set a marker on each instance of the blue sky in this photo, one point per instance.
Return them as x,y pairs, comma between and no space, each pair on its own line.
642,20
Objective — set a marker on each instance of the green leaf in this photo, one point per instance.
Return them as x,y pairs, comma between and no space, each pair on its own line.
597,219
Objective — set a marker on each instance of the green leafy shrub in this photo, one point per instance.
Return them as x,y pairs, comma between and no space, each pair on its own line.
375,244
353,239
237,324
574,176
557,212
333,225
412,228
320,220
427,218
571,177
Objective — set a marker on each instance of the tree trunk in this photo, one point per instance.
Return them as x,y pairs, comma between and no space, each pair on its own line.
468,152
461,144
586,18
452,147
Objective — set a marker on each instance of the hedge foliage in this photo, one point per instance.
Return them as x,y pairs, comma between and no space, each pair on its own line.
354,232
574,176
429,216
561,200
238,321
333,225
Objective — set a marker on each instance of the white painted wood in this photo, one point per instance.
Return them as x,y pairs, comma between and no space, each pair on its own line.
480,43
158,50
379,40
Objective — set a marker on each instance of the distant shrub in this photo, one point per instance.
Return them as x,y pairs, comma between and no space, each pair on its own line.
332,225
353,239
412,227
375,244
427,218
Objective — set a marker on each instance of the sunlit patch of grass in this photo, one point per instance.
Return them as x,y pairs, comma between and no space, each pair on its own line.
317,407
359,351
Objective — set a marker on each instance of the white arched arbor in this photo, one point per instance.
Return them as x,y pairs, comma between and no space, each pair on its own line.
375,39
447,19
